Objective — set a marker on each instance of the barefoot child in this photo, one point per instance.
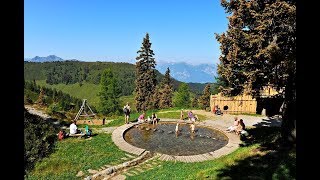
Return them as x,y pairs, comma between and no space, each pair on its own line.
192,126
181,115
177,128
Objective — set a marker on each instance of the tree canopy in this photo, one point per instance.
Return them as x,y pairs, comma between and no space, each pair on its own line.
145,76
182,98
109,93
259,49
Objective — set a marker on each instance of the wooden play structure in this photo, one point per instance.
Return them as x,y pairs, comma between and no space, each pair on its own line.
235,105
85,114
246,103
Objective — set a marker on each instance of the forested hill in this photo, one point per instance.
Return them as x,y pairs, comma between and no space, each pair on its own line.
70,72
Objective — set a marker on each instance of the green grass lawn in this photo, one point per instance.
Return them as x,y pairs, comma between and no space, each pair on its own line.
176,115
72,155
241,164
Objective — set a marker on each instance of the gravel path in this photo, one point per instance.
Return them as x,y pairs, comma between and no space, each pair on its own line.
226,120
32,110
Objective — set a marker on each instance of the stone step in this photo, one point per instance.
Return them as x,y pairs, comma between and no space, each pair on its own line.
140,170
107,166
128,174
91,171
154,163
130,156
149,165
124,158
134,172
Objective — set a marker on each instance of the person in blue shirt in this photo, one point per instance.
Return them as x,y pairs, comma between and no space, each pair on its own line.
88,131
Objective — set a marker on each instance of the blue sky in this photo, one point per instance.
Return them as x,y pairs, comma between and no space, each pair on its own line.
113,30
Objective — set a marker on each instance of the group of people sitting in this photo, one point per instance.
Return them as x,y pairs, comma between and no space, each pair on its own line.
74,131
238,127
151,120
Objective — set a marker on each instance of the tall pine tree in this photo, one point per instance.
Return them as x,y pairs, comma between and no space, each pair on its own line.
145,76
194,102
156,98
109,93
166,91
182,98
259,49
205,98
41,98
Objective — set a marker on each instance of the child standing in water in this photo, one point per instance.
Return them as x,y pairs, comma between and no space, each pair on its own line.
192,126
181,114
177,128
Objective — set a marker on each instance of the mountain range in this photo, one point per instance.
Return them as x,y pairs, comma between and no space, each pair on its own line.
49,58
181,71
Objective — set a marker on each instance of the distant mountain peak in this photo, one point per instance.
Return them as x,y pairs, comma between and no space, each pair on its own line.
49,58
189,73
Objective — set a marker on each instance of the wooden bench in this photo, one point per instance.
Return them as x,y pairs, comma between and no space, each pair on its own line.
77,135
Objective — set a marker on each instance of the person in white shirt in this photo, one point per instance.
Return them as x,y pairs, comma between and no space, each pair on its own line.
73,128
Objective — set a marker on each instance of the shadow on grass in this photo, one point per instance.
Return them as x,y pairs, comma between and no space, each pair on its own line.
267,161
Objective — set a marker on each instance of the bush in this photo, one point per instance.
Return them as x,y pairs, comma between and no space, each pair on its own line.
53,108
39,139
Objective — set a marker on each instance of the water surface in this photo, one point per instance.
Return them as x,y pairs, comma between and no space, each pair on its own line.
164,139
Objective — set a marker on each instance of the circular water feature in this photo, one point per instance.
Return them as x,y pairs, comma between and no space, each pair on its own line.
162,138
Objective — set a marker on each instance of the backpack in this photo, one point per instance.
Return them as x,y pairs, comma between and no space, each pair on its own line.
61,135
125,110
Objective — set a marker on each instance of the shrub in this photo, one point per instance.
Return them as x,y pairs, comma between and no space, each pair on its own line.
39,139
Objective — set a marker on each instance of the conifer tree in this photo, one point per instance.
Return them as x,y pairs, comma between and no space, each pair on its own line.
145,76
166,91
156,98
205,98
41,98
109,93
194,102
182,98
259,49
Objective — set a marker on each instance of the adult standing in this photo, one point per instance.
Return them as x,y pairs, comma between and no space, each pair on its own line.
126,111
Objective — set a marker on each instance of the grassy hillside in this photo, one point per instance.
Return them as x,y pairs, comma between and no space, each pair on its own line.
76,73
86,91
